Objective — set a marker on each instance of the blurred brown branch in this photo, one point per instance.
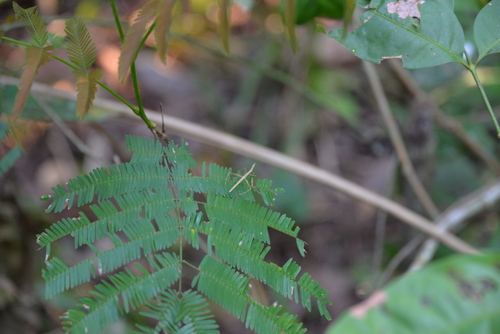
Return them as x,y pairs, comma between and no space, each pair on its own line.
277,159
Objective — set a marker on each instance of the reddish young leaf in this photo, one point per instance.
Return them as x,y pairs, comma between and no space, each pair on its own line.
132,42
163,22
35,58
86,86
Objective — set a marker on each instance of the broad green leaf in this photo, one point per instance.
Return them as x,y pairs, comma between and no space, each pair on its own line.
35,58
133,39
331,8
457,295
33,23
421,34
86,86
487,29
162,29
307,10
81,50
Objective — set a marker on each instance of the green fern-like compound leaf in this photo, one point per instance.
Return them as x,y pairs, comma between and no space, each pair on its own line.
149,210
82,53
33,23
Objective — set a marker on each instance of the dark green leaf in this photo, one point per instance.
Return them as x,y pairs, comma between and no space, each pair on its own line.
457,295
428,35
487,29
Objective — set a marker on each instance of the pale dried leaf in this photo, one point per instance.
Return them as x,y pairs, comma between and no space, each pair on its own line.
404,8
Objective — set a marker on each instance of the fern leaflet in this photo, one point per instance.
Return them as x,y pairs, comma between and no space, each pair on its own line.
82,53
147,206
37,54
9,159
81,50
180,312
33,23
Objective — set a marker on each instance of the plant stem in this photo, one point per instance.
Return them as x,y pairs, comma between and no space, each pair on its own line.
67,63
117,19
16,41
472,68
397,141
300,168
133,73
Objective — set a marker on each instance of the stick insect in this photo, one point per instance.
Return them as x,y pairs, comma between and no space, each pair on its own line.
243,178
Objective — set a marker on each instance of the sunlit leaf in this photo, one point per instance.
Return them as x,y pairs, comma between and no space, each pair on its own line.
422,34
86,86
81,50
487,29
134,36
163,22
33,23
320,28
35,58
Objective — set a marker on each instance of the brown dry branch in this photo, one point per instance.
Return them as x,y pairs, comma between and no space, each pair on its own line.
277,159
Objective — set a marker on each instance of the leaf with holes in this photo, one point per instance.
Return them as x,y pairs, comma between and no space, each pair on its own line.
420,33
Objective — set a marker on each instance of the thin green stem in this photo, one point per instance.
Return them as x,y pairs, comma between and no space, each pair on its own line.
472,68
117,19
190,265
112,92
135,82
133,73
122,100
16,41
